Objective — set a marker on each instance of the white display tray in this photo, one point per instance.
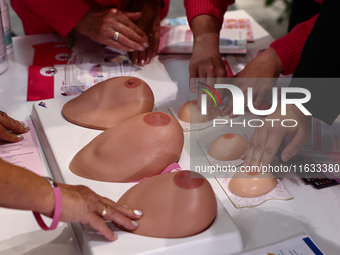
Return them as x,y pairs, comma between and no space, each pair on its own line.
61,140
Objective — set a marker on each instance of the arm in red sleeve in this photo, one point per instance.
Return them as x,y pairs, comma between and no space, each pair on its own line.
216,8
289,47
61,15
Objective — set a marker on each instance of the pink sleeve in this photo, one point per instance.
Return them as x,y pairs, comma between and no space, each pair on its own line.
216,8
289,47
61,15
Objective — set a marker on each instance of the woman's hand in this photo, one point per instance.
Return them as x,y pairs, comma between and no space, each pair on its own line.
151,25
101,26
266,65
81,204
266,140
10,128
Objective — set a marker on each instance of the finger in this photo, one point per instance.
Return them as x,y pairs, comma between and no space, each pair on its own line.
150,51
134,29
271,148
248,154
118,218
128,212
134,57
193,72
99,224
129,39
134,16
259,100
295,145
141,58
228,108
116,44
8,136
259,147
12,124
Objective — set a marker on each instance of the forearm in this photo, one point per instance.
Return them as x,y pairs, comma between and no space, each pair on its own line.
24,190
206,29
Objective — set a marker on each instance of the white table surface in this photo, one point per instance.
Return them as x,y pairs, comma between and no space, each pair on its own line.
312,212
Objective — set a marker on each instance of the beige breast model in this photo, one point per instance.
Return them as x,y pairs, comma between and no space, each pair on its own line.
173,205
109,103
142,146
190,113
245,184
228,147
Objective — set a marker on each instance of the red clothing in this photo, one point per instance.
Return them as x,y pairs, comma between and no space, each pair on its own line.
216,8
288,47
43,16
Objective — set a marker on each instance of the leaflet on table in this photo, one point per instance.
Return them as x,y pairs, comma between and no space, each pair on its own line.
227,23
179,39
300,245
45,82
24,153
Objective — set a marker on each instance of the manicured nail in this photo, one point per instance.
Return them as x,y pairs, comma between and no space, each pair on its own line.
115,235
138,213
20,137
142,62
135,223
146,44
141,48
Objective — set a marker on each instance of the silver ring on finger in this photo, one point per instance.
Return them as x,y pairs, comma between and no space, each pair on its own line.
116,36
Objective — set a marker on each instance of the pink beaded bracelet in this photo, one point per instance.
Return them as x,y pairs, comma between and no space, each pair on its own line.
57,207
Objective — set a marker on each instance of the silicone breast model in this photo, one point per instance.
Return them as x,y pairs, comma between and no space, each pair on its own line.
245,184
173,205
109,103
140,147
228,147
190,113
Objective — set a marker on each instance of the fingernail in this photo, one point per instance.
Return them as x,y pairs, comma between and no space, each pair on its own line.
135,223
115,235
146,44
141,48
138,213
20,137
286,157
142,62
125,206
27,128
